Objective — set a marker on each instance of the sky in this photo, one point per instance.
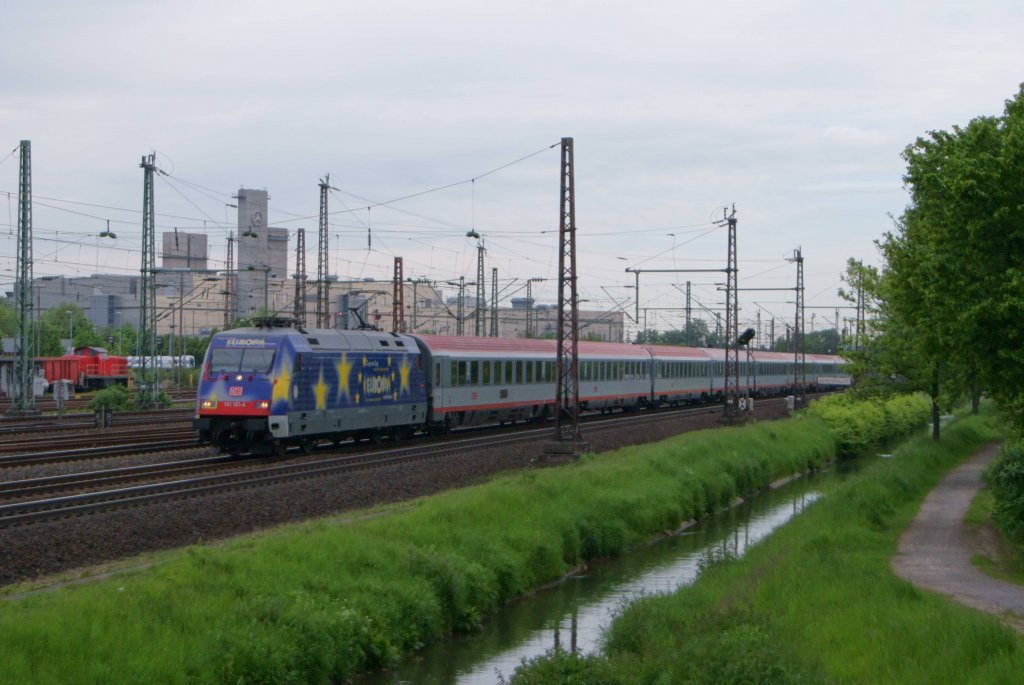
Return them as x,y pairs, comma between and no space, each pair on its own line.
434,119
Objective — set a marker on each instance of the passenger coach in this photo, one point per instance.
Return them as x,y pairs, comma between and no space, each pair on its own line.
497,380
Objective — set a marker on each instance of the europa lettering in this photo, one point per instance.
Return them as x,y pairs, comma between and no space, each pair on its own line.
245,342
377,385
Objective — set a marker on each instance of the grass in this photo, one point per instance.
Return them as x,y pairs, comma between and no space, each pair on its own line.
320,601
998,558
816,602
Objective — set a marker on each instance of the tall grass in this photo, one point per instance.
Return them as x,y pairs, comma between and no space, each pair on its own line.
815,602
320,601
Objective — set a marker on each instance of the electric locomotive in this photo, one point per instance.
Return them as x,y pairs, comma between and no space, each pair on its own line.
265,388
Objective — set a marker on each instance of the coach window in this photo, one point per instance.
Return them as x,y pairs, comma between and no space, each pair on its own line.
529,372
497,373
474,373
486,372
508,372
519,373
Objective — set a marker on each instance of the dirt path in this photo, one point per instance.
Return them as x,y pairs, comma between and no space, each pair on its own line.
935,550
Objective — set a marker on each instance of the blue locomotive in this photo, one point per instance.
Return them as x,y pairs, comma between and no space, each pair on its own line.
263,389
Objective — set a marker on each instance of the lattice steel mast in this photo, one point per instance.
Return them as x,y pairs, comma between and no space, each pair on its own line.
147,283
323,285
398,299
460,310
799,357
494,302
732,348
229,283
23,399
300,278
567,392
481,290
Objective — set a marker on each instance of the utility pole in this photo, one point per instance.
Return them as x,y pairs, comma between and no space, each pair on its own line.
689,333
323,286
481,293
861,329
300,278
229,284
398,299
460,315
636,285
23,398
494,302
732,349
567,391
147,282
530,332
799,358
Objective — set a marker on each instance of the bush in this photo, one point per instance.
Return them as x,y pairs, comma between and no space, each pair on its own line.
1005,477
859,425
115,397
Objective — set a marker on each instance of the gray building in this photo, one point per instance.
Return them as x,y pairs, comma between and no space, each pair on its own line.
184,251
262,253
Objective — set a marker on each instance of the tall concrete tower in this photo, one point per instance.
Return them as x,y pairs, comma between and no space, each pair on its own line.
262,253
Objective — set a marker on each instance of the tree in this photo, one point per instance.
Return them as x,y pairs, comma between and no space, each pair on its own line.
953,281
8,319
65,321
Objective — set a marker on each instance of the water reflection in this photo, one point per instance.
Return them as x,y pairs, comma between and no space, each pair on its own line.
573,615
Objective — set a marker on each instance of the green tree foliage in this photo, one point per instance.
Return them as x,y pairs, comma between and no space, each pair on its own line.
62,322
694,334
1005,477
8,319
119,340
953,282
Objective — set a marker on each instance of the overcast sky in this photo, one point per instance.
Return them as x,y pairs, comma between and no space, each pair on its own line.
796,112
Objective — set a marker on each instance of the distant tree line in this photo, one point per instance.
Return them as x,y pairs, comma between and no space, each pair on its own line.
827,341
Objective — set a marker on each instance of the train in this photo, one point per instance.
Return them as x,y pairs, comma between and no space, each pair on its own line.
264,389
86,367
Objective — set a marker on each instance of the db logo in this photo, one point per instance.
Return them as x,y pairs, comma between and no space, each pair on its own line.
235,391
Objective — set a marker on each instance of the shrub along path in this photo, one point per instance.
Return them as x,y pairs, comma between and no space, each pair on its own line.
935,550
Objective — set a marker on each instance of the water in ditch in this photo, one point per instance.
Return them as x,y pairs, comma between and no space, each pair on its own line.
572,615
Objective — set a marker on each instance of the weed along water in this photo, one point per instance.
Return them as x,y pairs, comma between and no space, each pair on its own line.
571,615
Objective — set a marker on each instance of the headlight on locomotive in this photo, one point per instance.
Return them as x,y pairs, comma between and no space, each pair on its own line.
208,404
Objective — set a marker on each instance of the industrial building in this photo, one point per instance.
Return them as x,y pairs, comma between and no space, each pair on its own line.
193,299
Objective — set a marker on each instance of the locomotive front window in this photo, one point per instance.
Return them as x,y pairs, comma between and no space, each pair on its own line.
249,360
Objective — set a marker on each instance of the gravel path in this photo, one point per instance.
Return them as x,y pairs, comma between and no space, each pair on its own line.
935,550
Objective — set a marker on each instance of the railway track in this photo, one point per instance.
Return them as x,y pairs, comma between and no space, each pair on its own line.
21,502
85,420
241,475
51,508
